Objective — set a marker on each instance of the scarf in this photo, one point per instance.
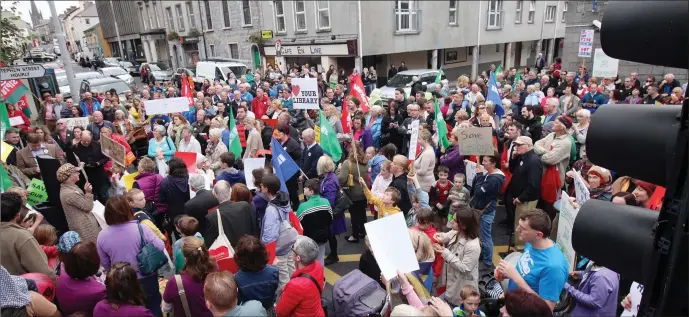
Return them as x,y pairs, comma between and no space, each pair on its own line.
596,192
14,292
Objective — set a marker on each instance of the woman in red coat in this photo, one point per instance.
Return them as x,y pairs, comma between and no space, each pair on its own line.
13,112
302,294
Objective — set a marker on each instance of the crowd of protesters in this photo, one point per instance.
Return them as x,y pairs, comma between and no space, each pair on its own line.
97,269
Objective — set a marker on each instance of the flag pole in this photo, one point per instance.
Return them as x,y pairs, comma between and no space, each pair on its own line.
355,158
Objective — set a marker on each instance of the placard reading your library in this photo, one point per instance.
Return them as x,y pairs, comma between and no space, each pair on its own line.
305,93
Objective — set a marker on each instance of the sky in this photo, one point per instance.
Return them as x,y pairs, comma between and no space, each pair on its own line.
24,6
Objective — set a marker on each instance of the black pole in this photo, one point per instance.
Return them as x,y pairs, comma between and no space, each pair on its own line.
203,33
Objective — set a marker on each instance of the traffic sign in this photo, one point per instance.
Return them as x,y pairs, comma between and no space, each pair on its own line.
278,48
21,72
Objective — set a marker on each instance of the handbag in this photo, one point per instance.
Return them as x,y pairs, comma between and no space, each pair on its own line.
350,177
222,250
150,259
342,202
182,295
287,235
550,184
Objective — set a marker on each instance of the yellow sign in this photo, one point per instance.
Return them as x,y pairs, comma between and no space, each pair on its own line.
267,34
5,150
129,180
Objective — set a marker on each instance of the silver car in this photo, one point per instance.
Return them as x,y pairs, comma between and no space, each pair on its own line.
119,73
160,74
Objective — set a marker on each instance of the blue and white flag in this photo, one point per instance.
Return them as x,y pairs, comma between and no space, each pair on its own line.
494,96
283,165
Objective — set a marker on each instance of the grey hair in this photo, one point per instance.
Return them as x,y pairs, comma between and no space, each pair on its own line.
215,133
308,132
160,129
377,110
197,182
222,191
305,248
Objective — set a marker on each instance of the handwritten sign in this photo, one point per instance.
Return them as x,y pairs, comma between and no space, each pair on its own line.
167,105
414,127
37,193
635,292
115,151
580,189
76,122
585,43
305,93
476,141
604,65
470,168
564,230
15,121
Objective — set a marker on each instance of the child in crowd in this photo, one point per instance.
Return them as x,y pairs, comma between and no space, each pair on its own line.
227,172
46,235
419,199
425,222
459,194
137,201
471,299
386,205
441,189
380,184
186,226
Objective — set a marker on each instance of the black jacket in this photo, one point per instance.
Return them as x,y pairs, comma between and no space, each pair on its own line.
199,206
94,160
400,183
293,149
237,221
533,127
174,192
560,90
309,160
526,177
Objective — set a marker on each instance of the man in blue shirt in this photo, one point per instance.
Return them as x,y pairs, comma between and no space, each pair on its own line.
542,268
593,99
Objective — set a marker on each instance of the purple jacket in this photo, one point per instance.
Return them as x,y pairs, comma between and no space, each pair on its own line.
329,187
454,161
366,139
149,183
597,294
123,242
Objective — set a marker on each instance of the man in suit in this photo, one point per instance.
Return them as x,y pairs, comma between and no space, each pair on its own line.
204,201
312,152
236,217
26,157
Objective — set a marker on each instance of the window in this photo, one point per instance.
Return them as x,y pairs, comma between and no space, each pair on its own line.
406,18
550,12
453,12
207,8
170,21
532,11
150,17
158,25
192,18
279,11
212,48
143,21
234,50
494,14
246,13
300,15
564,12
180,17
520,5
323,15
87,21
226,13
497,48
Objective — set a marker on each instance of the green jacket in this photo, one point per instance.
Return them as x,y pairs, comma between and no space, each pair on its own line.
315,216
313,204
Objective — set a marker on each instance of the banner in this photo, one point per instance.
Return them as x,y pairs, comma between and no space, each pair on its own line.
167,105
585,43
604,65
12,90
357,90
186,91
414,140
476,141
76,122
115,151
305,93
564,230
582,193
37,193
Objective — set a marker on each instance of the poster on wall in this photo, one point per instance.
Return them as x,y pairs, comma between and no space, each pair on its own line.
305,93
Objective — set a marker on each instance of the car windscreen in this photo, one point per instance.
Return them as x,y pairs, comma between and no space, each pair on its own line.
154,67
127,64
110,60
400,80
120,87
238,71
114,71
62,81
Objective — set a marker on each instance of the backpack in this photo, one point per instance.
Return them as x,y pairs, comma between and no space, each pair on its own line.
356,294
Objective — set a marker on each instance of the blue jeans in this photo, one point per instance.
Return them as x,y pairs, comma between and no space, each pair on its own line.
486,235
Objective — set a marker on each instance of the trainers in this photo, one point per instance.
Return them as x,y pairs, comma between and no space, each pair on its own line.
331,260
351,239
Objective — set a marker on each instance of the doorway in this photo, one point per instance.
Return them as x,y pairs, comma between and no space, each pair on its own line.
518,55
256,57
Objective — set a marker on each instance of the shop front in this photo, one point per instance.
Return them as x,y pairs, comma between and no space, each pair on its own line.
341,55
190,49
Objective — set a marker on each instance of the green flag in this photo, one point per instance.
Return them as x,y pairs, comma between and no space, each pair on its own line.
439,77
4,178
328,141
235,146
442,127
499,69
4,120
516,80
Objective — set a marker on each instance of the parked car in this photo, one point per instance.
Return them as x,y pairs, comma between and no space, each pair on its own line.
131,67
111,61
118,72
105,84
160,72
63,84
217,69
405,80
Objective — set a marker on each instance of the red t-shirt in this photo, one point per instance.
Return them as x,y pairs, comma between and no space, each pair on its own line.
443,191
260,106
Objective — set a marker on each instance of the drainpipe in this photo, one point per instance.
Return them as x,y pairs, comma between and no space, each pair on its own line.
203,33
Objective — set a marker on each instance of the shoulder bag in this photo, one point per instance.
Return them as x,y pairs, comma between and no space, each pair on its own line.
324,304
342,202
287,235
221,249
150,259
182,295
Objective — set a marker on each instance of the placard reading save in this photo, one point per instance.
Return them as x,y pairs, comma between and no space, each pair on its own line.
305,93
476,141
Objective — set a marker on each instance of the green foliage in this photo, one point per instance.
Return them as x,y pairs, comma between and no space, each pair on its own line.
11,39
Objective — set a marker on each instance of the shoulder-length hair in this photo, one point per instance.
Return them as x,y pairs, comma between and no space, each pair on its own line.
198,262
356,154
122,286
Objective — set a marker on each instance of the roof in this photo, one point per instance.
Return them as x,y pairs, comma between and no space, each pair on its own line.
414,72
89,11
104,81
93,28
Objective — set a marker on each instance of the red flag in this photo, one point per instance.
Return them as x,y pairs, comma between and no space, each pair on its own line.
356,89
346,120
186,91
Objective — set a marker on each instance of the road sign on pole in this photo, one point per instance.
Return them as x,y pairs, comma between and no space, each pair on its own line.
278,48
21,72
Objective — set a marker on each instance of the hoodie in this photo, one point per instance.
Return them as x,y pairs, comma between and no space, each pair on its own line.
232,176
277,210
486,188
174,191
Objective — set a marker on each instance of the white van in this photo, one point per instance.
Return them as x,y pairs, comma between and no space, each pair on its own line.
219,69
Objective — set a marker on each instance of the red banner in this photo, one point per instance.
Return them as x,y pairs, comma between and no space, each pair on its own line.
186,91
346,120
356,89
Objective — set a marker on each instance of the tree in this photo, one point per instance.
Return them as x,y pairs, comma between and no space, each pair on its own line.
11,39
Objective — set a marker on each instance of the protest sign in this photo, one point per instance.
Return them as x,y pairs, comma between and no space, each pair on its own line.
636,291
476,141
15,121
564,229
99,212
400,258
470,168
5,151
167,105
76,122
585,43
251,164
189,159
580,189
305,93
414,139
129,179
37,193
115,151
604,65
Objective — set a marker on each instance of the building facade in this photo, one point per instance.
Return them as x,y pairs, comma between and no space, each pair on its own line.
121,17
154,35
581,17
93,37
81,22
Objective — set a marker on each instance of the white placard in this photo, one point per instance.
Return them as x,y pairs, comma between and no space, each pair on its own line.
250,164
585,43
414,139
99,211
15,121
564,229
580,189
476,141
636,291
470,172
166,105
604,65
22,72
305,93
76,122
384,231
